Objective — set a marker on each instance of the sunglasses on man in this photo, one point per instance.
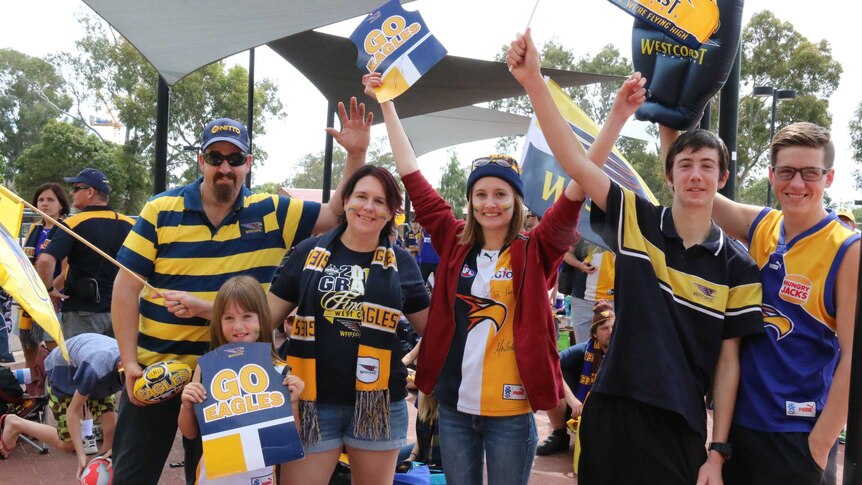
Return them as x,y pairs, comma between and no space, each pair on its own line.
76,188
507,162
235,159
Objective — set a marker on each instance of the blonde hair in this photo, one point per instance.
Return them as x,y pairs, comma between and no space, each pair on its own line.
247,294
427,407
472,234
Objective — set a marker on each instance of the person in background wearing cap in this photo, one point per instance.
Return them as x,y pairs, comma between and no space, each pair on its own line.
579,364
187,242
848,219
90,278
489,353
531,220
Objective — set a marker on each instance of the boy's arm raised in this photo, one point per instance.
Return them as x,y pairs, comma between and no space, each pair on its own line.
523,59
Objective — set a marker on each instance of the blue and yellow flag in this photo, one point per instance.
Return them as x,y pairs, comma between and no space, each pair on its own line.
691,22
398,44
17,275
544,180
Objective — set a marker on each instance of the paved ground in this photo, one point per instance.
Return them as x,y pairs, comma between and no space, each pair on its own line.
27,466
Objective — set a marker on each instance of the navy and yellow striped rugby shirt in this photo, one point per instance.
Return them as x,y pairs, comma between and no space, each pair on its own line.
674,306
175,247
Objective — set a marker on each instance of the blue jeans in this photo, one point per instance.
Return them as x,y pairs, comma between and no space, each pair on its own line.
509,443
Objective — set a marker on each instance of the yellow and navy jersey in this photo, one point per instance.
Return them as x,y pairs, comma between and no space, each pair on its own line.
105,229
600,284
787,371
480,375
675,306
175,247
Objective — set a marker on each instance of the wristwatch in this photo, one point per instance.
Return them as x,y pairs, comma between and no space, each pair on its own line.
725,449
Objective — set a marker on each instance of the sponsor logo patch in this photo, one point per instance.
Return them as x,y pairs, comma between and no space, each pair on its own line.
795,289
251,228
367,369
467,272
514,392
801,409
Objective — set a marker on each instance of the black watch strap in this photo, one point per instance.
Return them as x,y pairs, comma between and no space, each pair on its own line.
726,449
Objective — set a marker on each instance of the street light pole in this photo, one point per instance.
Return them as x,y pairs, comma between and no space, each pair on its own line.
777,95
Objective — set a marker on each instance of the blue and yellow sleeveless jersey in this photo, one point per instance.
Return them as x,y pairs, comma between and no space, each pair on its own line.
787,371
174,246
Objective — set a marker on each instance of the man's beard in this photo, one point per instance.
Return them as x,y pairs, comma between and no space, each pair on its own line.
224,193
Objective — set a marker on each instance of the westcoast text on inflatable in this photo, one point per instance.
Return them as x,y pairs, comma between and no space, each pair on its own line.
381,43
242,392
655,46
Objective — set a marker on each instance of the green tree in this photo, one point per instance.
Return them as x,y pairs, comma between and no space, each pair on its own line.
856,143
308,173
31,94
63,150
267,188
775,54
110,72
453,185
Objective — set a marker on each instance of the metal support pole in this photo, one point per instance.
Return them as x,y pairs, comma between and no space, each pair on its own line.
852,448
160,170
771,136
327,155
728,122
249,122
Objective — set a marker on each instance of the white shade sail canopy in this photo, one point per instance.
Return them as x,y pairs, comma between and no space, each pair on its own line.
180,36
461,125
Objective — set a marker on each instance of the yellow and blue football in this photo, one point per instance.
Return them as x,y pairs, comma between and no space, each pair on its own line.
161,381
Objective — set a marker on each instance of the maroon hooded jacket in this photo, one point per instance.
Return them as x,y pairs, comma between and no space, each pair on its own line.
535,257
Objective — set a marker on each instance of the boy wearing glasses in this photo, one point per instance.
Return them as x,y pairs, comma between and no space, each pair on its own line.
794,381
187,242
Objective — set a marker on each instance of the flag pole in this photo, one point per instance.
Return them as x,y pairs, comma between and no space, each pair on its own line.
532,13
81,239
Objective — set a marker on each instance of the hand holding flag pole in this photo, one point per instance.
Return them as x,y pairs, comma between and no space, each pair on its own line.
14,196
529,21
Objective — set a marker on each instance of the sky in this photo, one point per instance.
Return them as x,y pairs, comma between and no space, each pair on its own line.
477,29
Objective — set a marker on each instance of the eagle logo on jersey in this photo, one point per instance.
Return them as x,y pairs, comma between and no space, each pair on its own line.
774,319
704,292
481,309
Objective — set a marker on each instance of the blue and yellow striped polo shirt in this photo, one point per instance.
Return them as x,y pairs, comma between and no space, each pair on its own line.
175,247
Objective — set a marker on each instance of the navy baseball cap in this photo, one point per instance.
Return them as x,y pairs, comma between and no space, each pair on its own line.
91,177
225,129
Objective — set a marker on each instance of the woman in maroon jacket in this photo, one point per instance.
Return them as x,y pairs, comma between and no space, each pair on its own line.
489,352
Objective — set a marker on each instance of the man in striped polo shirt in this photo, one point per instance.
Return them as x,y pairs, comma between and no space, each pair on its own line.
186,243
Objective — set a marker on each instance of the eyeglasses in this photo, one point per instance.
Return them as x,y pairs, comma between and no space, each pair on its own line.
76,188
234,159
502,161
809,174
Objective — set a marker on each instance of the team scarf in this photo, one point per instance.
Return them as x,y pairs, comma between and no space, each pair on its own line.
592,360
381,304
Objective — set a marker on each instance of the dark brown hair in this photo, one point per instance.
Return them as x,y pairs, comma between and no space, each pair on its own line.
390,190
58,192
697,139
803,134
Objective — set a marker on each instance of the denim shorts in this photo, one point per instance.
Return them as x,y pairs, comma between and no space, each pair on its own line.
336,429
